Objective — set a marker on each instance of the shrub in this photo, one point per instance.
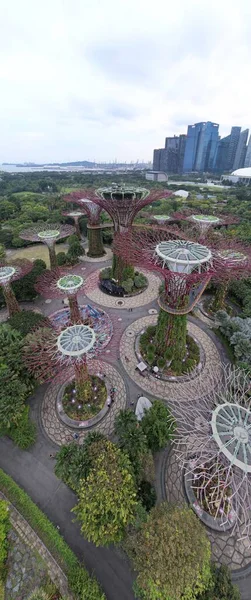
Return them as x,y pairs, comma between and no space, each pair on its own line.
107,237
61,258
73,239
83,586
73,462
11,345
150,348
47,533
13,394
128,273
23,433
171,553
105,273
147,495
150,357
222,587
24,288
158,426
131,439
27,320
107,498
140,281
161,362
4,529
127,285
177,367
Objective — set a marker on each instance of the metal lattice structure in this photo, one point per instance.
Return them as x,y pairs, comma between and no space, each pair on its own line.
11,271
213,445
49,234
94,227
48,353
75,215
60,283
204,222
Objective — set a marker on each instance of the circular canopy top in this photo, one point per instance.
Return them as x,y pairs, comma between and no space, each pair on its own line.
161,217
234,255
76,340
6,273
75,213
70,283
49,234
182,256
205,218
231,426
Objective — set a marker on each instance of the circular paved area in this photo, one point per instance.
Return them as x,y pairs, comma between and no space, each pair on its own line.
226,548
61,434
94,293
169,390
107,256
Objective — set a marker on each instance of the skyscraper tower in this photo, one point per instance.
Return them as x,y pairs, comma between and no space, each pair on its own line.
201,147
233,143
241,150
247,162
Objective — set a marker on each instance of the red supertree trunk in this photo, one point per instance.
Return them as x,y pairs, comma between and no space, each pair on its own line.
10,299
74,309
52,255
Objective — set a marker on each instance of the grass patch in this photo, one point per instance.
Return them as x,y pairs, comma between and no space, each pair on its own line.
225,343
50,537
37,251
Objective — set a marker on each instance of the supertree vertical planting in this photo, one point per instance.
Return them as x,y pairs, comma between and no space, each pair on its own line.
123,203
75,215
237,257
94,227
186,268
10,272
213,444
48,234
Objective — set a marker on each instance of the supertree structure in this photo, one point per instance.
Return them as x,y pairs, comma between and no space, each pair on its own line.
186,268
213,444
59,282
75,215
237,258
94,227
122,203
48,234
11,271
205,222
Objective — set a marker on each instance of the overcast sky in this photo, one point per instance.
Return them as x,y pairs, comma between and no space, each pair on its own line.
106,79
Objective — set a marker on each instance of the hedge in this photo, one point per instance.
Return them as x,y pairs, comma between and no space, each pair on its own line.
46,531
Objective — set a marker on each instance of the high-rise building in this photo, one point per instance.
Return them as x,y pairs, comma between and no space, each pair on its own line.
233,143
201,147
220,164
170,158
247,162
241,150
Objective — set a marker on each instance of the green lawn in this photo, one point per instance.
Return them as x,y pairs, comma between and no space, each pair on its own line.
37,251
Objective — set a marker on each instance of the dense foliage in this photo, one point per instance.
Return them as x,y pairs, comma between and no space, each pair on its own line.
4,529
24,289
27,320
131,439
171,554
51,538
222,587
238,332
74,462
16,385
158,426
107,497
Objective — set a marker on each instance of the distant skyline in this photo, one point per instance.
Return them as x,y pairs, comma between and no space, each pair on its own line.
94,80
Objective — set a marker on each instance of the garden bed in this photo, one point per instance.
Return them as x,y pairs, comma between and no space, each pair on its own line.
167,367
130,287
79,409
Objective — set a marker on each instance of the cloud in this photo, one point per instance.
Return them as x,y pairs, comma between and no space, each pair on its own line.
113,79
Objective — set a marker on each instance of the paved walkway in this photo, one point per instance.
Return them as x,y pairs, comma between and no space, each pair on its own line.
168,390
96,295
59,433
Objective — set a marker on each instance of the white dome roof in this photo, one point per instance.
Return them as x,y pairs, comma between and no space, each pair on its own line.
242,172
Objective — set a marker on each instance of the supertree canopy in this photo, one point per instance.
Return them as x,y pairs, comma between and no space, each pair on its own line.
10,272
122,203
75,215
49,234
186,268
59,282
205,222
95,237
213,438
